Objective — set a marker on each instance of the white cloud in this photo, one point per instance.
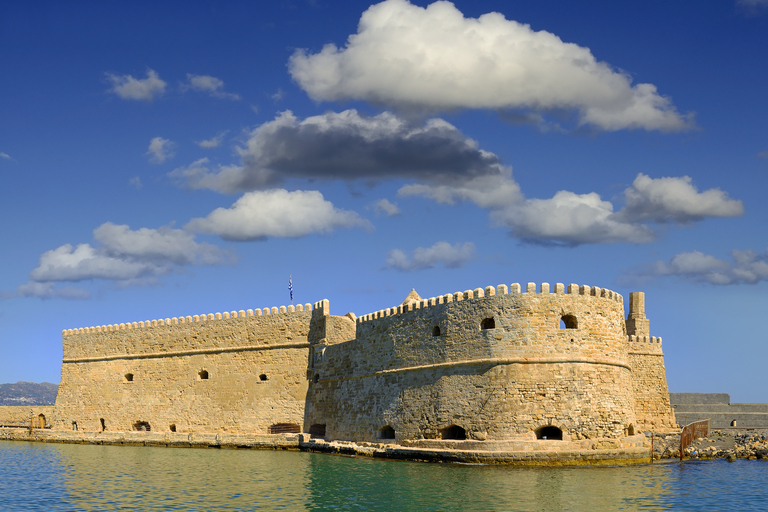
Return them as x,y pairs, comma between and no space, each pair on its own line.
209,84
442,164
746,267
5,156
492,191
212,142
347,146
569,219
763,154
434,58
162,246
124,256
276,213
450,256
129,88
51,291
675,200
384,206
160,150
136,183
68,263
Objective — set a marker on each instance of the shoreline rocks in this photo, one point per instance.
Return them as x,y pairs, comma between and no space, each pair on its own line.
731,444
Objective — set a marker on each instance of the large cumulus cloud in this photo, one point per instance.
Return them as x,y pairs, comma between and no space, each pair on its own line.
434,58
346,146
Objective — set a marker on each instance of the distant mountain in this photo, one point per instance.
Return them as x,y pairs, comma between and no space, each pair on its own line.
28,393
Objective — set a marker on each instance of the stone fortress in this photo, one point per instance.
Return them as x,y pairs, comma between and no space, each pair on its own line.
499,369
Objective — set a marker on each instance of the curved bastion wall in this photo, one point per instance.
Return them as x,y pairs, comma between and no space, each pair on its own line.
487,364
497,364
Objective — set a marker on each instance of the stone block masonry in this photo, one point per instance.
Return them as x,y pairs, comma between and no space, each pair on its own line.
227,372
496,368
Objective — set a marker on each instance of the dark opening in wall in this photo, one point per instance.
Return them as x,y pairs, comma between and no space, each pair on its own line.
436,330
549,433
488,323
568,322
317,378
386,432
41,421
103,424
263,377
453,432
202,375
284,428
128,377
733,423
142,426
172,427
317,430
74,425
630,430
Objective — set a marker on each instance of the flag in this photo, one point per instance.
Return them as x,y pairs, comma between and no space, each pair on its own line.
290,286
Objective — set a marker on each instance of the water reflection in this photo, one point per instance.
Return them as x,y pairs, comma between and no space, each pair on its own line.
99,478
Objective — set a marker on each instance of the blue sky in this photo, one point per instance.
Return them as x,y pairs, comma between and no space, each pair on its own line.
179,158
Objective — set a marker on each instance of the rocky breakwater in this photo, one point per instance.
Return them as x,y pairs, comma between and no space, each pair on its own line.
719,444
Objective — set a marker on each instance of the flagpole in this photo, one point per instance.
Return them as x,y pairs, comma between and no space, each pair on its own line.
290,287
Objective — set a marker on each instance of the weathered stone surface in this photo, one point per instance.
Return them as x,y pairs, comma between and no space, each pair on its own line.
485,370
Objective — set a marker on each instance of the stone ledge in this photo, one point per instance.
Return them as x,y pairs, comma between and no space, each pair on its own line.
549,453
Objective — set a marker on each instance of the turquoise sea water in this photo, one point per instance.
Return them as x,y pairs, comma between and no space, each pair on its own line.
58,477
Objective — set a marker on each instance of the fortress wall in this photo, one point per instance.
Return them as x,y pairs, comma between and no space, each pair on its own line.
180,334
649,384
497,383
237,374
649,377
25,415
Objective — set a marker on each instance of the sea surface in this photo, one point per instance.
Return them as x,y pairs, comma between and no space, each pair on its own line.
61,477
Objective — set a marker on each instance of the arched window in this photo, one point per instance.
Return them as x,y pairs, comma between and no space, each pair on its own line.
488,323
142,426
128,377
453,432
386,432
568,322
41,421
202,375
549,433
436,330
317,378
172,427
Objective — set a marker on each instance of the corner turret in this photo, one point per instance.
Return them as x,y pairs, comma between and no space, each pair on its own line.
637,323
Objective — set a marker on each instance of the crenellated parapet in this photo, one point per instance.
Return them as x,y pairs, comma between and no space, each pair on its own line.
644,345
489,291
190,319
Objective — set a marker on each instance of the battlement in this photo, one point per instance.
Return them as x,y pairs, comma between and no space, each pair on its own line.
656,340
321,306
488,291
